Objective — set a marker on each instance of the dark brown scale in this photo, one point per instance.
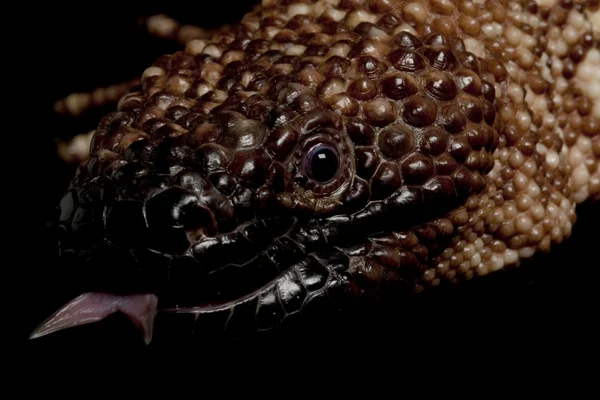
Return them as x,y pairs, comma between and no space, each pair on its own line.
381,112
381,6
139,150
363,89
497,69
133,106
367,162
463,181
434,141
469,82
445,164
258,83
477,137
474,161
471,106
307,102
407,40
364,28
285,36
334,66
576,53
453,118
243,134
417,168
264,111
282,142
194,182
251,167
172,148
569,69
459,148
386,180
419,111
388,22
371,67
444,25
344,104
442,59
489,113
584,105
330,86
223,182
211,157
119,119
436,39
527,144
386,256
470,61
497,49
228,84
153,124
230,118
590,126
360,132
588,40
276,84
298,21
316,50
190,120
439,194
537,84
288,93
399,86
236,67
204,133
469,25
351,4
512,134
440,86
488,91
457,45
396,141
367,47
269,58
406,60
358,195
276,116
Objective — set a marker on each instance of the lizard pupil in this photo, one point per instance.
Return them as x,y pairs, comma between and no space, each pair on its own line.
324,163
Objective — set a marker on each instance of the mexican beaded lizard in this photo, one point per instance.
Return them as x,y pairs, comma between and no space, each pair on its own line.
331,148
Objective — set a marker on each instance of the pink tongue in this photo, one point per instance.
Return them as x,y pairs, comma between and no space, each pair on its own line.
93,307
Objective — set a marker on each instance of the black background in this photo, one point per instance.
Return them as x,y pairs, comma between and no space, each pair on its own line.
550,302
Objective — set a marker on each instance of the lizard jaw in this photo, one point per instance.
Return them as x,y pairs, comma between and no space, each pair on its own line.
94,306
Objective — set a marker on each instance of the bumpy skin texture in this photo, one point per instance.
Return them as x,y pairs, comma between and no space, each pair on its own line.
464,134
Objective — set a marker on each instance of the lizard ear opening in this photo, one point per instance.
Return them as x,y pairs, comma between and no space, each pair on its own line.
93,307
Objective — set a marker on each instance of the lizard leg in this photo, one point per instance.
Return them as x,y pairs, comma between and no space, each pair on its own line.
78,103
76,148
165,27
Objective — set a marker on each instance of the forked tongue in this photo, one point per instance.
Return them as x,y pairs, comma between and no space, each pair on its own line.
93,307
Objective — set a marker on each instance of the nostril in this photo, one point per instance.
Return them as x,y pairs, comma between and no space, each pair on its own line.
177,208
173,213
196,216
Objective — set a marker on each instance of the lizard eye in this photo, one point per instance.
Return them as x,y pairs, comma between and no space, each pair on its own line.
321,162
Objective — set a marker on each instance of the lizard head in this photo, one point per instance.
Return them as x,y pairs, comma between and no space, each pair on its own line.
263,174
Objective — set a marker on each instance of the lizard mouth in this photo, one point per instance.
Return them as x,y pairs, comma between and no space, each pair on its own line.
280,278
